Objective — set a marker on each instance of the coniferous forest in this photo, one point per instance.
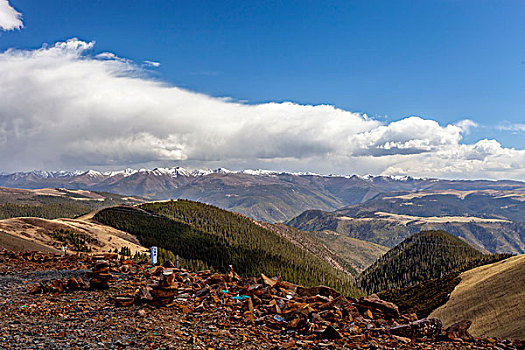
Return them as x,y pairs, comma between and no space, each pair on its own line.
47,211
424,256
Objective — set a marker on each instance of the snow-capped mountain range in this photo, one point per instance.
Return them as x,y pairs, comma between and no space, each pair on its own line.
180,171
261,194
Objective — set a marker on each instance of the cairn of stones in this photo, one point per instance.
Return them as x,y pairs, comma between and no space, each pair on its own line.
100,276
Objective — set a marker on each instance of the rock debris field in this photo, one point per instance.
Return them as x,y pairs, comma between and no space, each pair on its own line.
99,302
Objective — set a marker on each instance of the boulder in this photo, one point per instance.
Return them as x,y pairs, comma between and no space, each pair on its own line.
419,329
459,330
379,308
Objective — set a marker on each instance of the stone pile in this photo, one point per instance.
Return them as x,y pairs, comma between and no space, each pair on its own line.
165,291
100,276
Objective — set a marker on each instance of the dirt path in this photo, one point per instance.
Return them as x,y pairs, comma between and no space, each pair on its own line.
88,216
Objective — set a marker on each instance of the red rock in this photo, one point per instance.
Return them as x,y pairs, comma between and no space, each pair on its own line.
268,281
206,313
289,345
388,309
141,313
459,330
330,333
319,290
419,329
358,338
124,301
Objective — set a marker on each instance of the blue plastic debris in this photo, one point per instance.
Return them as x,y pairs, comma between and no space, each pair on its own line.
279,318
241,297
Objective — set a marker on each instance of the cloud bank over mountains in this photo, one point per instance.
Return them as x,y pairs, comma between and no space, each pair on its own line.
64,108
9,17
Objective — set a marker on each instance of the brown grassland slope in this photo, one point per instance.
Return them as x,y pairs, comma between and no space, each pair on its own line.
358,253
492,297
37,233
17,244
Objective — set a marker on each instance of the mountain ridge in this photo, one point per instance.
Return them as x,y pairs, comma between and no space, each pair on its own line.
272,196
489,219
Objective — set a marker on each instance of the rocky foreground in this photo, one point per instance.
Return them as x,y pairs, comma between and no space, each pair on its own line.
53,302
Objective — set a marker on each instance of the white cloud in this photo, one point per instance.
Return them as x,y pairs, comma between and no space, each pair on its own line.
484,159
9,17
514,128
63,108
152,63
466,124
411,135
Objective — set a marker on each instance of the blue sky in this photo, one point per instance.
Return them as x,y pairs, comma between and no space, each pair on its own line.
440,60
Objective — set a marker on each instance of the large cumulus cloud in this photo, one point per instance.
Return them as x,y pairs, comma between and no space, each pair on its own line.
63,107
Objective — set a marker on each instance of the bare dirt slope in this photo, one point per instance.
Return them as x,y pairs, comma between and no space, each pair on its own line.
18,244
358,253
38,231
492,297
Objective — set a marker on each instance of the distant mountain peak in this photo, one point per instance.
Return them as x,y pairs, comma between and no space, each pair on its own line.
173,172
93,173
180,171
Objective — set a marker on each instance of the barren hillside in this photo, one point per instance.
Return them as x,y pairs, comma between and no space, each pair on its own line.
36,231
492,297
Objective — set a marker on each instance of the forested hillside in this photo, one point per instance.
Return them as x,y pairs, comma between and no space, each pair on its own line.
44,211
424,297
213,237
422,257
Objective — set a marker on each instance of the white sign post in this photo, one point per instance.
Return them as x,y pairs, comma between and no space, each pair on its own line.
154,255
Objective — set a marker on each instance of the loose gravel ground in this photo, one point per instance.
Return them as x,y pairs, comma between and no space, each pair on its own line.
89,319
